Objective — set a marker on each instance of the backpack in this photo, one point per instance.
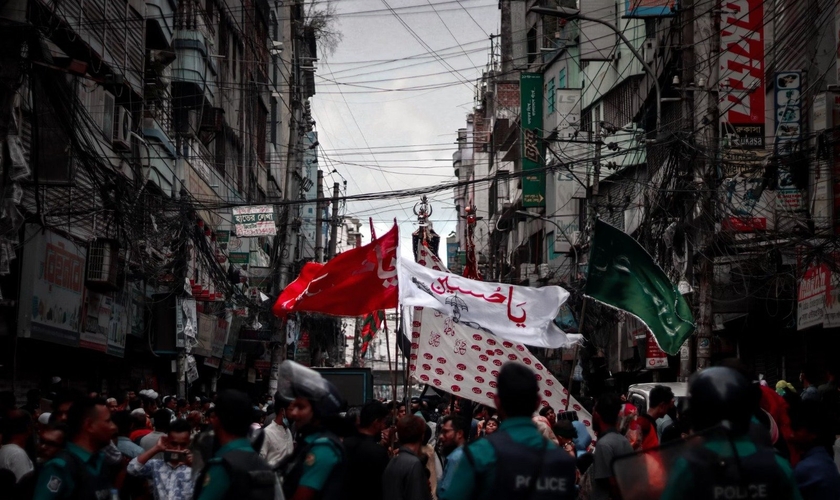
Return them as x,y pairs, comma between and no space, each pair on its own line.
291,467
87,486
251,478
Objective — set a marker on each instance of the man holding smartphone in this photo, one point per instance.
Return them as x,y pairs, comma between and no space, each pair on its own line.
171,475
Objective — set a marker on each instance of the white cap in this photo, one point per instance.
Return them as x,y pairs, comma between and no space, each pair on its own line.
138,411
44,419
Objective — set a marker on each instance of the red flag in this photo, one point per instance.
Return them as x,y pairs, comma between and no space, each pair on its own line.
354,283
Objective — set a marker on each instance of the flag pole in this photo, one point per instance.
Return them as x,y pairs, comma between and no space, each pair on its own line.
388,353
577,352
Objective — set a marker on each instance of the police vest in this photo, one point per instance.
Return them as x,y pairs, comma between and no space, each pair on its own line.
292,468
755,476
525,473
88,486
251,478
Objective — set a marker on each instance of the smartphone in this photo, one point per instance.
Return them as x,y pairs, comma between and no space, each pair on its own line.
173,456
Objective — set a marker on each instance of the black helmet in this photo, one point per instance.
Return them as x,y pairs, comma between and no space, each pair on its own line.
297,381
720,395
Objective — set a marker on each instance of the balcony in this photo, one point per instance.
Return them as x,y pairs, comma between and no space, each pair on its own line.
160,28
193,72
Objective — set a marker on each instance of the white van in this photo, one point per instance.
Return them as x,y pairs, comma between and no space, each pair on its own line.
639,394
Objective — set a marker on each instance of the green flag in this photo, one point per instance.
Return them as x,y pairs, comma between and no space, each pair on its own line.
622,274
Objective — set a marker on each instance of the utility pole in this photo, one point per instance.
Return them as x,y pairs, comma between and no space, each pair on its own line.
319,219
707,127
357,344
334,233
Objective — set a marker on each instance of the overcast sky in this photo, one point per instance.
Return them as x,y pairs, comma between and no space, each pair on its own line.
383,141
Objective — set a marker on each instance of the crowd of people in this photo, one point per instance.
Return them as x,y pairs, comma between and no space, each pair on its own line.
735,437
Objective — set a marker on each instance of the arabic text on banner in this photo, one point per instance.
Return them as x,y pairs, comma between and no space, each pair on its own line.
464,362
515,313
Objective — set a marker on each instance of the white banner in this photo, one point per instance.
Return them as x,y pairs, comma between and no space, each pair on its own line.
254,221
516,313
466,362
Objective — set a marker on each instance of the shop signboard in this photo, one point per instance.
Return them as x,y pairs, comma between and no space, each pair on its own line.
52,284
650,8
655,358
254,221
811,300
749,206
741,67
832,302
239,257
788,110
97,314
531,140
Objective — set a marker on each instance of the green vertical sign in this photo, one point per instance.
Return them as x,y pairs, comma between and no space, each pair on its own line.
533,179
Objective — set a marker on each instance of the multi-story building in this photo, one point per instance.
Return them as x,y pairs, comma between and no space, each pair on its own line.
136,132
625,126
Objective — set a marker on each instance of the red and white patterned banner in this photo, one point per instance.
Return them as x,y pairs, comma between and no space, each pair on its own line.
466,362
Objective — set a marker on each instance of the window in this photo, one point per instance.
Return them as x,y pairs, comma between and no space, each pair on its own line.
552,96
561,79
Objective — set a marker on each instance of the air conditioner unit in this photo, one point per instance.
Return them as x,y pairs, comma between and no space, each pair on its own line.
107,116
191,126
122,129
649,50
102,264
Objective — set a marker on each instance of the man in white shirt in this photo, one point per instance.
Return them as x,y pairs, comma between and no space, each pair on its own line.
16,432
278,442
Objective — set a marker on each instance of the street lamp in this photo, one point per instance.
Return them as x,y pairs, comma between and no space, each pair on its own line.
546,219
572,14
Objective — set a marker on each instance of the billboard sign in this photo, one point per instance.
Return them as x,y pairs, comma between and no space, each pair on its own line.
655,358
650,8
533,179
568,111
788,110
52,281
749,205
254,221
810,307
742,87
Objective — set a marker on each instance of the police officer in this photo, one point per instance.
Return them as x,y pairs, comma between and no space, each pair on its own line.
316,468
515,462
236,471
79,471
727,464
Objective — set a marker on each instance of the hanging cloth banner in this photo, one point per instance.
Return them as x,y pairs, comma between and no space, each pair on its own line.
515,313
465,362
